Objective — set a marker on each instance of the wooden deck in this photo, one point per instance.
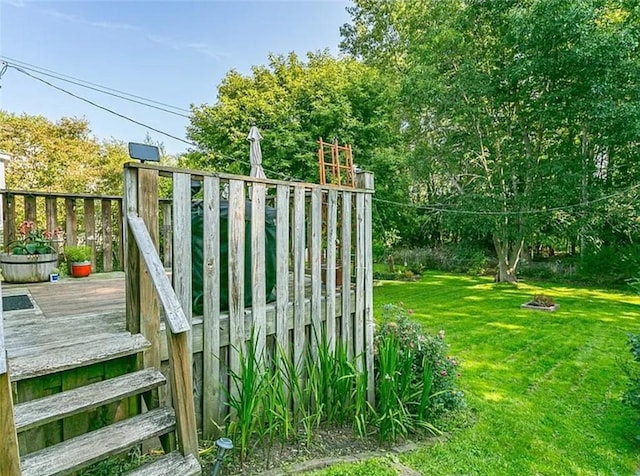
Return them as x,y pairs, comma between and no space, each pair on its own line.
69,312
75,312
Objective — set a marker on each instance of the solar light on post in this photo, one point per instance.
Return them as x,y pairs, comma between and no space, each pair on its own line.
223,445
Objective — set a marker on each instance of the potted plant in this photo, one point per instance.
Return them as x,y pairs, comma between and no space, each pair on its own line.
30,258
79,260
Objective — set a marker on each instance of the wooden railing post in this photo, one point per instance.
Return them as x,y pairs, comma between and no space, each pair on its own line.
132,253
9,452
52,218
364,273
8,219
30,209
212,408
90,229
316,262
178,334
236,265
107,235
149,307
71,228
347,321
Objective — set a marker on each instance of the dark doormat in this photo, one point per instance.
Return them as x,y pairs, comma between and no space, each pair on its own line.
16,303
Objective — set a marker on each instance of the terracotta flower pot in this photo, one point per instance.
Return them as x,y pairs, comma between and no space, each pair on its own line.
81,270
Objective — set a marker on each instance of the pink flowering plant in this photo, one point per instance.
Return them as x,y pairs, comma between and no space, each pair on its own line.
429,360
32,241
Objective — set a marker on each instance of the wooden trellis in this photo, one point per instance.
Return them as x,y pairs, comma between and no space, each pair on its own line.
340,170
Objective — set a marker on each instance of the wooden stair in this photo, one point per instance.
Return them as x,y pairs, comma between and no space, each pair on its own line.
170,465
88,448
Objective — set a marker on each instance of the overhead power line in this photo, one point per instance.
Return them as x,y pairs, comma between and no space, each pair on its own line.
441,209
99,88
19,69
127,118
11,63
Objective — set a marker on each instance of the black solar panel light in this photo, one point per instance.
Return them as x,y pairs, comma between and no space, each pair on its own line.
144,152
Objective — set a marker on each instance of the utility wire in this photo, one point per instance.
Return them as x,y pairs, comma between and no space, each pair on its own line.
13,65
436,208
84,83
180,139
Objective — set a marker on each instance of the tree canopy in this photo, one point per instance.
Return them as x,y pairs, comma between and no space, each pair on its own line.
296,102
59,156
511,108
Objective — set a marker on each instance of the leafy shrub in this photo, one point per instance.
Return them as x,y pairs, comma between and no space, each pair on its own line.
634,283
632,396
452,258
611,264
399,275
430,362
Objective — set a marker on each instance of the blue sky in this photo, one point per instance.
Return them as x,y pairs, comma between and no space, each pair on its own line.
176,52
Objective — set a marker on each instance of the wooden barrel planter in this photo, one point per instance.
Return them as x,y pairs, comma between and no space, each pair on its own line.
27,268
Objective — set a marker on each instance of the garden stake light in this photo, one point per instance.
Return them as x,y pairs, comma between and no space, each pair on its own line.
224,445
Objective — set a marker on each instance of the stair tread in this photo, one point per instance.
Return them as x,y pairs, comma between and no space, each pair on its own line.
94,446
172,464
65,357
60,405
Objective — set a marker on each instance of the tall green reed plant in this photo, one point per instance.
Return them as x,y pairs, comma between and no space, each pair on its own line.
247,415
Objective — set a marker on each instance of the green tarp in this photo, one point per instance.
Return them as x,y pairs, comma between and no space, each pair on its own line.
197,254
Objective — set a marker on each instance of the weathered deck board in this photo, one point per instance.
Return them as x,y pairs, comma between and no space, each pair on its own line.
55,407
74,454
173,464
104,292
73,309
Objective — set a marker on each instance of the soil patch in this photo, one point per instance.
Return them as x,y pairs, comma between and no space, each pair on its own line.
328,446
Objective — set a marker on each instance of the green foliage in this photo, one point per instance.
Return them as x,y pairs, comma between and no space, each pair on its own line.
264,412
372,467
424,360
246,412
296,101
632,395
32,241
610,264
278,401
501,117
77,254
459,258
59,156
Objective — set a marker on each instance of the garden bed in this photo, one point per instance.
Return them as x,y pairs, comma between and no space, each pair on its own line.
536,307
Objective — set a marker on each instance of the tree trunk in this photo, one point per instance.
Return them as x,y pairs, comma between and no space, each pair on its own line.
508,252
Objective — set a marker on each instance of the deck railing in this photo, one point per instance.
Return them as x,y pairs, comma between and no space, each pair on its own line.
9,452
319,231
178,329
94,220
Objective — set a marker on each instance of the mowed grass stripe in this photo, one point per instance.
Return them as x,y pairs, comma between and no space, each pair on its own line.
545,387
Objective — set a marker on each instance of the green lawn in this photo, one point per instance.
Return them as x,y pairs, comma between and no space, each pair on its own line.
544,388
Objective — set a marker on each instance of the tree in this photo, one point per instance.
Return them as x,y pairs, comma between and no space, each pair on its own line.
296,102
511,107
60,156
